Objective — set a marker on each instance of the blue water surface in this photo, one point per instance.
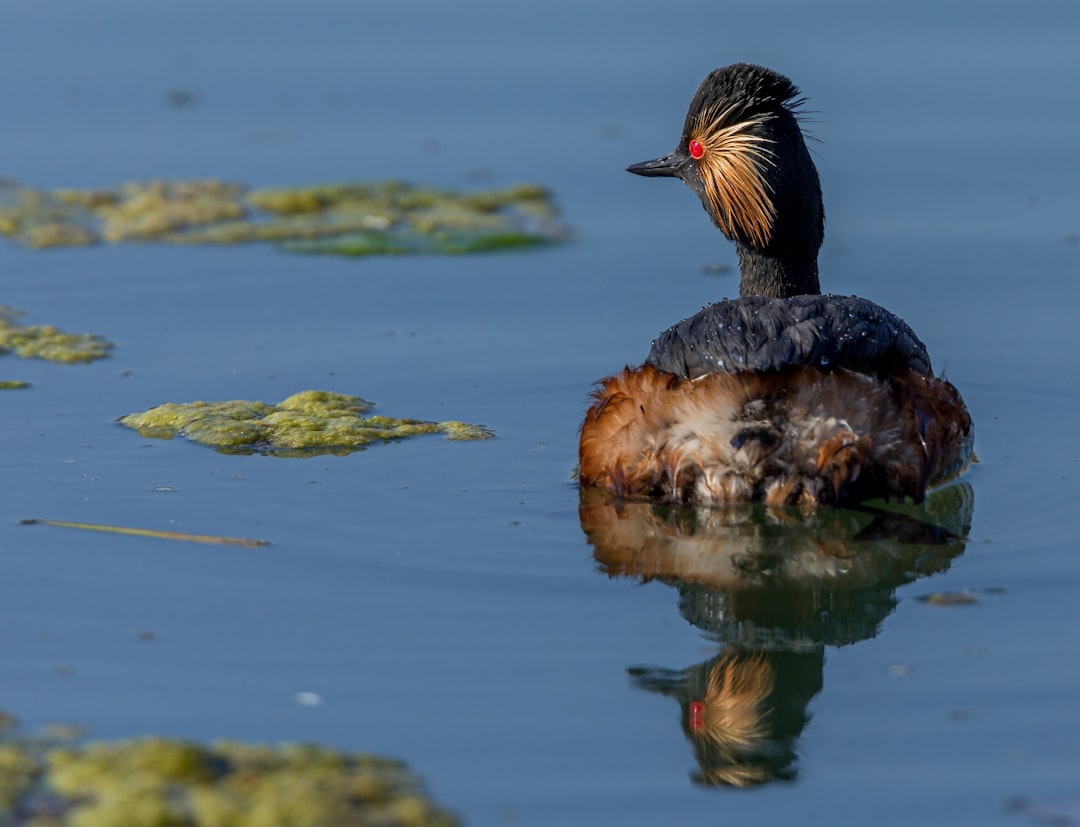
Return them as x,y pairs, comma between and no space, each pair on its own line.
441,598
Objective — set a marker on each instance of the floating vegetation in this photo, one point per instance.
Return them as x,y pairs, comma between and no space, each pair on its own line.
12,384
366,244
306,424
949,599
387,217
48,342
157,782
213,539
967,597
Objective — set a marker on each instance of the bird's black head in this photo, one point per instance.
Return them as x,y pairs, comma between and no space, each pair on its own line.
743,153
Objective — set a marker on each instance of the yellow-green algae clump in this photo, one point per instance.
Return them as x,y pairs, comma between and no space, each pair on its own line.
386,217
48,342
159,782
306,424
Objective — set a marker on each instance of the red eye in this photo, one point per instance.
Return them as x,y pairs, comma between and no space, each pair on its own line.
697,708
696,150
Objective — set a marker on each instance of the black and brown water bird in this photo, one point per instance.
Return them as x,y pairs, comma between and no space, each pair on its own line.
784,395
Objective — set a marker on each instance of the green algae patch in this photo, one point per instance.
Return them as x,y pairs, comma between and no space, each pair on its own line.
968,597
48,342
352,219
308,423
949,599
160,782
146,212
367,244
12,385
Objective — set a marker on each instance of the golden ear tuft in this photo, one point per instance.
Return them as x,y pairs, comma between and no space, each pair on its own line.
732,158
735,715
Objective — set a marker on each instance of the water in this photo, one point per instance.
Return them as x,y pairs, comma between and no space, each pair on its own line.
441,598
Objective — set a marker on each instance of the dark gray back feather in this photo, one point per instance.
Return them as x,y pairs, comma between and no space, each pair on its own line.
757,333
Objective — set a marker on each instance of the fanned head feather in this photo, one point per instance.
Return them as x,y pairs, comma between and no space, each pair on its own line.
736,716
727,133
736,721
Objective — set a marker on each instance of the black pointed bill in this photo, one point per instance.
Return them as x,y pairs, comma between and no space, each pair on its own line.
670,166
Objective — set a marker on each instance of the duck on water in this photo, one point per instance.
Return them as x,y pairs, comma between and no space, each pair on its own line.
784,395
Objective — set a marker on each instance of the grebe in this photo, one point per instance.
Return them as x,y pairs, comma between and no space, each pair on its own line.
783,395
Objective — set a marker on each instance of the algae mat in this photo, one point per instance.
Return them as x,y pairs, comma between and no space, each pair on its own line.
48,342
308,423
354,219
50,781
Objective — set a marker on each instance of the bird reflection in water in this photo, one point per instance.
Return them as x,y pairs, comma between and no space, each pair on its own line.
742,711
773,587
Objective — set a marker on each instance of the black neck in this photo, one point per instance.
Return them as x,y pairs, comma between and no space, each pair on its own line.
778,276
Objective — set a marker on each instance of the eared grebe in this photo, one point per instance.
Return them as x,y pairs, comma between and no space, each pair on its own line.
784,395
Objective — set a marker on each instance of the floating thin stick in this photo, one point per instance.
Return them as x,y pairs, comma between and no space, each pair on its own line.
149,532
